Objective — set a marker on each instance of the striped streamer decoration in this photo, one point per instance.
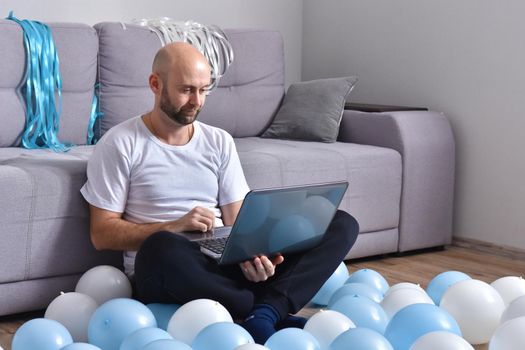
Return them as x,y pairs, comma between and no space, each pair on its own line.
210,40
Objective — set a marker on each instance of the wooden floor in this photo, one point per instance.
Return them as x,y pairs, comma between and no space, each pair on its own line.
418,268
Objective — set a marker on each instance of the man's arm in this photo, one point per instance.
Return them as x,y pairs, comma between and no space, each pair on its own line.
109,231
230,212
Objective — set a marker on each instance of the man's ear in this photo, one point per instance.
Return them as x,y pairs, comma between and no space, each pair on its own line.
155,83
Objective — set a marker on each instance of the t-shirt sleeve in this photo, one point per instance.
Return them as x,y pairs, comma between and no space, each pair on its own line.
108,173
232,183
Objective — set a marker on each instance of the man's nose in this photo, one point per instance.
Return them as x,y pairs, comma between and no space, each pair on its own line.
196,99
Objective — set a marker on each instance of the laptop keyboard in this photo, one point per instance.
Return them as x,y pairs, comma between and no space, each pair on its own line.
216,245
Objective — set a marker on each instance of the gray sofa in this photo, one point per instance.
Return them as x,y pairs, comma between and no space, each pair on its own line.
400,165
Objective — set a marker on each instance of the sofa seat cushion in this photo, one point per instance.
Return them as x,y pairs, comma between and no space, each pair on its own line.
45,220
374,173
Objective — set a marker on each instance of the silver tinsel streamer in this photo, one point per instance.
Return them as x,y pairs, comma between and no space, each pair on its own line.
210,40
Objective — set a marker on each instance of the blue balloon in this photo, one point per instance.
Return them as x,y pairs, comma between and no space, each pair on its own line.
360,338
42,334
166,344
143,336
363,312
440,283
371,277
292,339
81,346
163,313
336,280
416,320
115,320
360,289
221,336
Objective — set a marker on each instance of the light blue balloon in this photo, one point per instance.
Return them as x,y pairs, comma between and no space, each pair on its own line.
360,338
115,320
334,282
81,346
440,283
360,289
363,312
42,334
292,339
166,344
371,277
221,336
163,313
416,320
143,336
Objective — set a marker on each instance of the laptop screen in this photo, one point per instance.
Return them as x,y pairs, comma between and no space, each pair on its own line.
282,220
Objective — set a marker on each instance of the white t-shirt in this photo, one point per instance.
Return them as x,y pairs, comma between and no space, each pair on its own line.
132,172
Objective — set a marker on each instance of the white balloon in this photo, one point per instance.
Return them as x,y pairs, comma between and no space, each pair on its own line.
509,336
515,309
73,310
194,316
104,283
251,346
477,308
326,325
399,298
510,288
441,340
403,285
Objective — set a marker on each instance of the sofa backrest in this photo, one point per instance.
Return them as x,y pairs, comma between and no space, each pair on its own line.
244,103
77,47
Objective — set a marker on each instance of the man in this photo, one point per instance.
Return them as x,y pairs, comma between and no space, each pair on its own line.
164,172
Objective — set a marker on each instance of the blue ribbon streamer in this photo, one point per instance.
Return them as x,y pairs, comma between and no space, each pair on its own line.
95,114
42,81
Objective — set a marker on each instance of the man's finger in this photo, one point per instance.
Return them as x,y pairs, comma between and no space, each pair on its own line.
249,271
207,221
268,266
261,271
278,259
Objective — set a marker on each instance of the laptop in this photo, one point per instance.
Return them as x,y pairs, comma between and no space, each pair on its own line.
274,221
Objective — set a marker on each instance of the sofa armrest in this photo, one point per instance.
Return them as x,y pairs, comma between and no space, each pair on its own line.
426,144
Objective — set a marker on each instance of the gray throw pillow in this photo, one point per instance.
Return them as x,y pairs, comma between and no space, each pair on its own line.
312,110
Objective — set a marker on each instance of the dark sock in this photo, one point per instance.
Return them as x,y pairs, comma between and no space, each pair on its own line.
261,322
291,321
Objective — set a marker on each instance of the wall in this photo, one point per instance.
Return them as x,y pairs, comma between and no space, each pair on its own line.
284,16
465,58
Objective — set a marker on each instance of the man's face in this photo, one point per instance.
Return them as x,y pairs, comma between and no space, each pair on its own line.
182,114
184,92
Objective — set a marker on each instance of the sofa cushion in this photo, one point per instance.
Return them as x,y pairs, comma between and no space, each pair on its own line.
312,110
374,173
254,83
78,67
45,220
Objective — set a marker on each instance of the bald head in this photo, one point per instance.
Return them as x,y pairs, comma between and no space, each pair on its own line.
180,59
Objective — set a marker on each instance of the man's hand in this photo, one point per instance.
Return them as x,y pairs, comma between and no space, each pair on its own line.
260,268
197,219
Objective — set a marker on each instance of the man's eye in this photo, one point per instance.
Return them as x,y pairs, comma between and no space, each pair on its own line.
205,92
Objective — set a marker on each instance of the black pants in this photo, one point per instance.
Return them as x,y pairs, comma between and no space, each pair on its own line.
171,269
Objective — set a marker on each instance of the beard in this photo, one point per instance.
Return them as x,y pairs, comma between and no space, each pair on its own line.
183,116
